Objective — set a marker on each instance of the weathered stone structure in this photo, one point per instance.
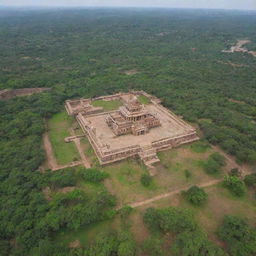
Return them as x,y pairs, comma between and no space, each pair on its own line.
114,135
131,118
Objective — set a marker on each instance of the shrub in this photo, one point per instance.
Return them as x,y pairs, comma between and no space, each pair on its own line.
220,159
125,211
146,180
239,236
214,163
93,175
152,246
188,174
212,167
127,246
250,180
195,195
235,185
235,172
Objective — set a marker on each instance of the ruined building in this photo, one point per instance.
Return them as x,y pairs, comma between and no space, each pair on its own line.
132,130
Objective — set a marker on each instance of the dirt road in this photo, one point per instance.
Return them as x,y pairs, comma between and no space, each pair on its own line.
49,152
171,193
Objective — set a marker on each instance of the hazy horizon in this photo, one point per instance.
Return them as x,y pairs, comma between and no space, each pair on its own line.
194,4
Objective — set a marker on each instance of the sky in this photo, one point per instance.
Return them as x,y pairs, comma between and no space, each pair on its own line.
216,4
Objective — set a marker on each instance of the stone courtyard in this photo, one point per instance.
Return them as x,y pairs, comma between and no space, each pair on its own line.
148,128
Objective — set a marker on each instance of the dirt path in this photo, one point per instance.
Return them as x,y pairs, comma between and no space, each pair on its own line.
80,150
49,152
72,164
171,193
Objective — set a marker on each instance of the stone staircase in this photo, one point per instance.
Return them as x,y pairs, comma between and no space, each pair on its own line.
148,156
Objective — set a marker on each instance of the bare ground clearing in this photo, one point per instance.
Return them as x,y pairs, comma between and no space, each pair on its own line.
236,101
131,72
239,47
52,163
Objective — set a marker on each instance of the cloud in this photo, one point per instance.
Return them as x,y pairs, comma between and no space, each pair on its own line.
221,4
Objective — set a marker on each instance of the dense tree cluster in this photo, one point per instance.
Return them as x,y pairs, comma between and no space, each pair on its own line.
25,214
190,240
239,236
113,243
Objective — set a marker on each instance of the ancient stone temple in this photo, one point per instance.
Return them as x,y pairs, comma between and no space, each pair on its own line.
131,118
133,130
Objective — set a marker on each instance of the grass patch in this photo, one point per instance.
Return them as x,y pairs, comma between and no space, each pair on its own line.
107,105
221,203
125,181
144,100
209,216
58,127
125,176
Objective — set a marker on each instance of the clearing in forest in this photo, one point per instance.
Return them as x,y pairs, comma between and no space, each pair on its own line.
58,127
239,48
131,72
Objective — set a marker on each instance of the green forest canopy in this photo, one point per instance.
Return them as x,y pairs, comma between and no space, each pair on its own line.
85,53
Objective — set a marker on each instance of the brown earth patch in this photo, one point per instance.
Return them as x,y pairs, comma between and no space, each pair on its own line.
66,189
236,101
47,193
131,72
235,65
52,163
74,244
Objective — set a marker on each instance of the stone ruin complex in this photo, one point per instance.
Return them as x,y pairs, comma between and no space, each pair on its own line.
132,130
